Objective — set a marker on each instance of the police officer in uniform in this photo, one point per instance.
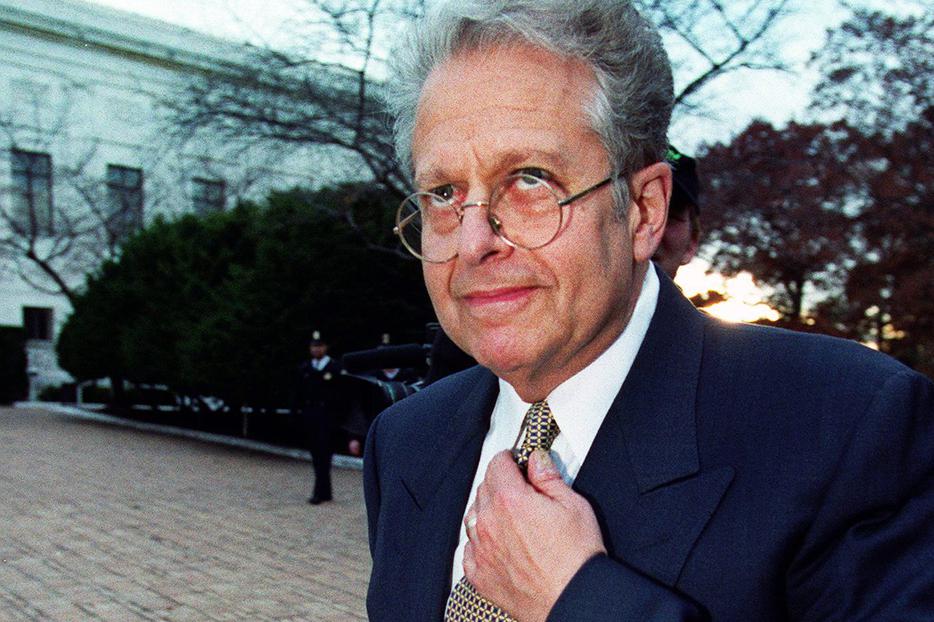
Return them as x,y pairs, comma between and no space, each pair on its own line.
317,403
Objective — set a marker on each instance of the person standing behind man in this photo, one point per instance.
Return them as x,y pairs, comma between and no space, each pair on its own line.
682,229
316,400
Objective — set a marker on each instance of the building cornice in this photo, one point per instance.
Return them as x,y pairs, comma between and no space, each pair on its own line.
83,25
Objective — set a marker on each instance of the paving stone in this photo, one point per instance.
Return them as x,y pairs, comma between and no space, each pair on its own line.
106,523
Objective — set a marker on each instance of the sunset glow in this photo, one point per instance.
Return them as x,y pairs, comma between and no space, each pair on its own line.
744,301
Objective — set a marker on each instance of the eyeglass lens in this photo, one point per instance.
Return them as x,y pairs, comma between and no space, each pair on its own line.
523,210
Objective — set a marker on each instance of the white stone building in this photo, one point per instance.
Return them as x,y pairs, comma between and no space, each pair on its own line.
84,154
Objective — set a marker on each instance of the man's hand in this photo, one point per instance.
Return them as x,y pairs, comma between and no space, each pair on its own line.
527,538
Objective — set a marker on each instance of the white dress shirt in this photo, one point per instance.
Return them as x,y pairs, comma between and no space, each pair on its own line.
578,404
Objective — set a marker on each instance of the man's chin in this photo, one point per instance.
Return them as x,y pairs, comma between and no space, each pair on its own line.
502,349
501,359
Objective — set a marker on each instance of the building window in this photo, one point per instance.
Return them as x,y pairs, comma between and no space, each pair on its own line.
208,195
37,322
32,191
125,200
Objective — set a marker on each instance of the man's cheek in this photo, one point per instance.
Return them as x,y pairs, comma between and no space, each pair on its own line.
443,306
435,286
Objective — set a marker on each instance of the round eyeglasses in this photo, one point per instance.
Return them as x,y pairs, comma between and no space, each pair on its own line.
523,210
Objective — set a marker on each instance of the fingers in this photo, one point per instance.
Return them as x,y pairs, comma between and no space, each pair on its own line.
502,484
483,518
503,472
503,477
470,563
526,539
501,460
544,475
470,521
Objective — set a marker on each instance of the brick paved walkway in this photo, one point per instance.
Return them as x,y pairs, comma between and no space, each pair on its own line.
106,523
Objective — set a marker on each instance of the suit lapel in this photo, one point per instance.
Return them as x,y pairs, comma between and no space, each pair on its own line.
439,494
642,474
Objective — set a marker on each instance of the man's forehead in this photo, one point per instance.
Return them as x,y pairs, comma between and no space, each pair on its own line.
517,79
518,105
497,63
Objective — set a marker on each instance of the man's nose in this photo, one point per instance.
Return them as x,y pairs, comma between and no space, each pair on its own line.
478,239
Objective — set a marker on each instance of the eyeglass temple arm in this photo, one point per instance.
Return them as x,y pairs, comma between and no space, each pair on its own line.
396,229
585,192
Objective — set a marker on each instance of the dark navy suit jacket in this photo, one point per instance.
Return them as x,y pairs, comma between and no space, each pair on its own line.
742,473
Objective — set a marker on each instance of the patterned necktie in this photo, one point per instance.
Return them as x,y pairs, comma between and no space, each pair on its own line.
465,604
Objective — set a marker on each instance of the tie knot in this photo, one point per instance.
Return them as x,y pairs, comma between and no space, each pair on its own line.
541,429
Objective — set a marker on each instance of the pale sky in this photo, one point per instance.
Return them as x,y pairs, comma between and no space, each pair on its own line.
739,98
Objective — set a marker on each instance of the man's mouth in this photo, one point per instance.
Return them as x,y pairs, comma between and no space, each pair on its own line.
512,296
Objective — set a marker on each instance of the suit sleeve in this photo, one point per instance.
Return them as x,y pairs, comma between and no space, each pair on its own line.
604,590
371,491
867,555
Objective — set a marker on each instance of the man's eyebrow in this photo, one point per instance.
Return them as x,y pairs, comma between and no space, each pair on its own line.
431,176
503,164
532,157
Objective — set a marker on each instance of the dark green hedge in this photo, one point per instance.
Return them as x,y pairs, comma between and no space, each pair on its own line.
224,305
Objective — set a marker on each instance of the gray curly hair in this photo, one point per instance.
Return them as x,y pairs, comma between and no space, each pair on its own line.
631,106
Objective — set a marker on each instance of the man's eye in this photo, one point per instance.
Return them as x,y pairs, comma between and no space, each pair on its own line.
446,192
531,179
537,173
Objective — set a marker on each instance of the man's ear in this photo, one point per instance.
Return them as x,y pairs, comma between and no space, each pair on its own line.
650,191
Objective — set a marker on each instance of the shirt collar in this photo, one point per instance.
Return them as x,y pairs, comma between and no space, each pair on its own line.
581,402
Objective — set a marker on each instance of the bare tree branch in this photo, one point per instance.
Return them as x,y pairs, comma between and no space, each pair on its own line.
724,39
53,257
323,91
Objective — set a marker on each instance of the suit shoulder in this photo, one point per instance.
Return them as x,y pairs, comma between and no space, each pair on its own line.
811,380
420,414
797,354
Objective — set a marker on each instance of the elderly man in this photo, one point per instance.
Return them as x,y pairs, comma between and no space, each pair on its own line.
616,455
